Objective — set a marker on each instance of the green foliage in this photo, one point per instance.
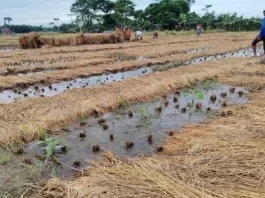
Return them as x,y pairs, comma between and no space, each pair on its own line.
50,145
196,94
144,117
5,157
207,85
43,134
122,103
162,14
53,173
83,119
123,9
24,128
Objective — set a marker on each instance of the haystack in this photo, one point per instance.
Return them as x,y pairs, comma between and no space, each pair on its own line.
29,41
33,40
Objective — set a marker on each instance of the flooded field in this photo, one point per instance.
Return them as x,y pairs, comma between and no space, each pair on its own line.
40,90
134,131
181,112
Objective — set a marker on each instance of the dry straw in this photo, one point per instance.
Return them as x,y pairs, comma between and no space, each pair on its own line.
32,40
221,159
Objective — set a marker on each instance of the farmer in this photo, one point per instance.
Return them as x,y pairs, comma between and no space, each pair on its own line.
260,37
128,33
138,34
198,29
155,35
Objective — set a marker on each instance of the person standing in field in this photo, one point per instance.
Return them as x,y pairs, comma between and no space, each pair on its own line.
260,37
155,35
198,29
138,34
128,33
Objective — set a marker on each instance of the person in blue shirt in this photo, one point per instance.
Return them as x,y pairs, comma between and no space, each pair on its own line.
260,37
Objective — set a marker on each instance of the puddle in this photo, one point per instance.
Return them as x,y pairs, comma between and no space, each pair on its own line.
241,53
122,129
40,90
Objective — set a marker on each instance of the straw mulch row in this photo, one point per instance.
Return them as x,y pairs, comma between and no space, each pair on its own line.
221,158
82,69
33,40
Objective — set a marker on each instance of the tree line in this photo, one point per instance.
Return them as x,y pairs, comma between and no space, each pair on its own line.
102,15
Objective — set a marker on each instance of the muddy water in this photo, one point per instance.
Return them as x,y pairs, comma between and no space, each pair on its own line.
146,120
58,88
7,49
197,50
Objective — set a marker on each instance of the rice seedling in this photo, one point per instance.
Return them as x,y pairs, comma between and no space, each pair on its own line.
183,110
213,98
111,137
150,139
53,173
27,161
170,133
130,114
122,103
175,99
198,106
129,144
82,120
160,149
143,117
224,103
232,90
177,106
240,93
5,157
105,126
159,109
82,134
76,163
224,94
95,148
195,94
166,102
42,134
49,145
101,120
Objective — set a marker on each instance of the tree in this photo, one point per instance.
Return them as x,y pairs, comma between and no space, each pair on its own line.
206,9
87,11
8,20
71,15
123,9
57,21
166,13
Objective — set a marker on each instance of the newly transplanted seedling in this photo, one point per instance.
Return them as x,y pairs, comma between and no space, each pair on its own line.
122,103
83,120
50,145
144,117
23,130
43,134
196,95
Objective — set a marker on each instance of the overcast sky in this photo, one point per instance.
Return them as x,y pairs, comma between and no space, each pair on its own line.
41,12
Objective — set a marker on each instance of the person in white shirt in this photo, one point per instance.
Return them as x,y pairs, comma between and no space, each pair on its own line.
138,34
